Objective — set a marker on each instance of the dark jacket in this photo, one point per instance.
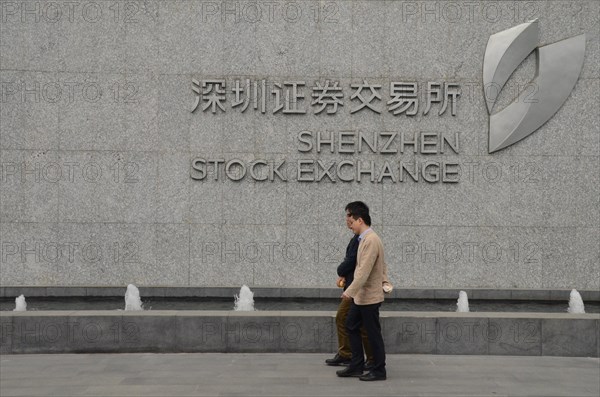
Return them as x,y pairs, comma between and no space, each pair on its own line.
346,268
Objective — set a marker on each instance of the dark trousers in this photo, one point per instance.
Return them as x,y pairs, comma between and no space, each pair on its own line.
344,349
367,316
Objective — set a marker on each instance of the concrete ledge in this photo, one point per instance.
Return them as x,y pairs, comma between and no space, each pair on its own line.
276,292
523,334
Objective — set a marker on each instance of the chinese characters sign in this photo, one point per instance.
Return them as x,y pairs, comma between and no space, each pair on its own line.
327,97
297,97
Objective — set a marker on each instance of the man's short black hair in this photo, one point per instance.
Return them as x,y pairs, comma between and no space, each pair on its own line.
358,209
355,205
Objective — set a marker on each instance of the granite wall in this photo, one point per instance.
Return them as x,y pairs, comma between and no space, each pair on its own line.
129,155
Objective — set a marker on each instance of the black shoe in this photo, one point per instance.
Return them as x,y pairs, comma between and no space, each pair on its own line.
337,360
348,372
371,376
369,366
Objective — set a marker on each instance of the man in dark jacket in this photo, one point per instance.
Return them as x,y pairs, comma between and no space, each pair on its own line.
345,272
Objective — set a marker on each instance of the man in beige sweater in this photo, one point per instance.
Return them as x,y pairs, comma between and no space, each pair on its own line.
366,294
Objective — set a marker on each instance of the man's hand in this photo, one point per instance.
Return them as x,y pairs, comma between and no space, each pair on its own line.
341,282
346,296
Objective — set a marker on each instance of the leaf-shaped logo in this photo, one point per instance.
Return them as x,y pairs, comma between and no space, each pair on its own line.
558,68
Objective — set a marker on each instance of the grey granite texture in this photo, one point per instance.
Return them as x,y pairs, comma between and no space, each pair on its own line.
515,336
97,140
294,375
288,331
575,338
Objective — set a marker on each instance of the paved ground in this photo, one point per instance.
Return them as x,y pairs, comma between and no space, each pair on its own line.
291,375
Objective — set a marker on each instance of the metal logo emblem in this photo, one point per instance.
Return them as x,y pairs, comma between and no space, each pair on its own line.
558,68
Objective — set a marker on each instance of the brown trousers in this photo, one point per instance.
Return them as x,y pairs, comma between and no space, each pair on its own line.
343,338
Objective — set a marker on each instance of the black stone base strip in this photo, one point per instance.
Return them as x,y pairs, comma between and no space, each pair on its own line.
519,334
276,292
